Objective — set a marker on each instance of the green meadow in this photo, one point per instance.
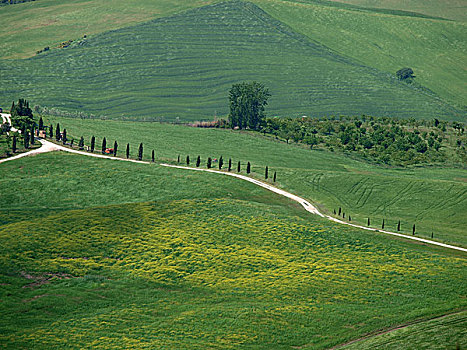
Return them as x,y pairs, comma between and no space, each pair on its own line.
432,198
139,256
183,66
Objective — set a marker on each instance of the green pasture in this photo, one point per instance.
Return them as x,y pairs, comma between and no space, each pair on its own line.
184,65
435,49
139,256
446,332
432,198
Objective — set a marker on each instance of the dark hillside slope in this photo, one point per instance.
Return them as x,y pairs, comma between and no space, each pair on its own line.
183,66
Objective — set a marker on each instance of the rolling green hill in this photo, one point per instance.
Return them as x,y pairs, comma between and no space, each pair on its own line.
140,256
433,198
183,66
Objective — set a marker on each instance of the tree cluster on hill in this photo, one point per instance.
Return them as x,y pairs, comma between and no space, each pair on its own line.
386,140
21,115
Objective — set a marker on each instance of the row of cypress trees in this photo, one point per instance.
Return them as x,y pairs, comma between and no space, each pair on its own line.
209,165
340,212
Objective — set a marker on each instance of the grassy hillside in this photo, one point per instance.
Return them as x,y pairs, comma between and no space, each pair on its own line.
38,24
447,332
451,9
435,49
200,260
183,66
433,198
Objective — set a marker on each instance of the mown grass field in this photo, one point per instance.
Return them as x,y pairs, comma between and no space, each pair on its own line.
433,48
184,65
446,332
433,198
130,255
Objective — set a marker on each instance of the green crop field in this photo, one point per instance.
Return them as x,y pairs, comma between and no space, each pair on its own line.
446,332
432,198
131,255
183,66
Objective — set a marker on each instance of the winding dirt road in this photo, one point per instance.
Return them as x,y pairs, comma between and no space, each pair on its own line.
48,146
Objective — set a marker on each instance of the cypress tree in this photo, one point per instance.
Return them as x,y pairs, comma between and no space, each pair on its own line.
274,180
382,226
238,167
209,163
12,108
334,211
104,145
64,139
51,131
230,164
198,161
32,135
343,215
266,173
81,143
178,160
368,222
350,219
140,151
221,162
71,142
153,156
431,234
26,140
57,132
399,226
340,210
115,148
413,230
127,150
248,168
93,143
187,160
41,124
13,146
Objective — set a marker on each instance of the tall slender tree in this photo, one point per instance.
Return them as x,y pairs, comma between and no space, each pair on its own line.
178,159
198,161
368,222
340,211
140,151
350,218
64,138
26,140
57,132
382,225
104,145
81,143
32,135
399,226
153,156
238,167
274,180
266,172
413,230
51,131
248,168
13,146
41,124
115,148
221,162
187,160
209,164
93,143
127,150
230,164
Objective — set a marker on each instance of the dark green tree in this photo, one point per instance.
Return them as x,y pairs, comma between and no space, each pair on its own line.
115,148
368,222
153,156
13,146
26,140
93,143
274,180
266,173
140,151
405,73
81,143
350,219
340,210
248,168
198,161
32,135
41,123
238,167
57,132
21,114
64,138
187,160
178,159
382,225
230,164
104,145
247,104
399,226
209,163
127,150
221,162
413,230
51,131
